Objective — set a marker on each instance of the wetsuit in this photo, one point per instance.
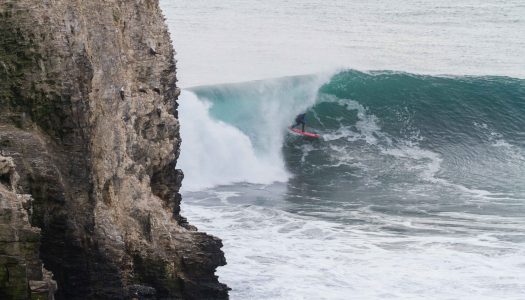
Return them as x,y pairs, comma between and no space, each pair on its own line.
300,120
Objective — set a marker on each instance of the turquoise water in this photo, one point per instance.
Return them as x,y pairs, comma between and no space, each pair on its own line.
414,190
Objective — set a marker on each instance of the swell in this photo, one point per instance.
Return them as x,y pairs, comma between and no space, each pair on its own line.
396,133
438,109
445,130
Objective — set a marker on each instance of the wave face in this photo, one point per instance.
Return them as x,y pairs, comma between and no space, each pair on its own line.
415,190
402,131
451,128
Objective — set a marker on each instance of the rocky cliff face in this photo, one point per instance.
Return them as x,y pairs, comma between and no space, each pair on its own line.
22,275
88,117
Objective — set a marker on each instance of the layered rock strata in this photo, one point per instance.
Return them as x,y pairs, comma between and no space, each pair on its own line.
88,120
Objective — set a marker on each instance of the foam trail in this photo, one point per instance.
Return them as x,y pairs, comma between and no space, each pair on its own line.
273,254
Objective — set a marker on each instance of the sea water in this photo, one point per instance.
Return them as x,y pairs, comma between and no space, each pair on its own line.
416,189
240,40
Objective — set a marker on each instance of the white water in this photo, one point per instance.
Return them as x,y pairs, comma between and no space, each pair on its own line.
216,153
240,40
277,255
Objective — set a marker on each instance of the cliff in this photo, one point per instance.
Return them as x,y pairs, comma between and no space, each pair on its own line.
89,137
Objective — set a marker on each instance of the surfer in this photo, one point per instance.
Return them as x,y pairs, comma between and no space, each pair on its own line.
300,120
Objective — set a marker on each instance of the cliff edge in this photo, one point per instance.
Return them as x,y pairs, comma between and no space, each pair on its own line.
89,136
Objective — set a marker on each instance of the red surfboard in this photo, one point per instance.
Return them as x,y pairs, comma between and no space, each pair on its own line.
304,133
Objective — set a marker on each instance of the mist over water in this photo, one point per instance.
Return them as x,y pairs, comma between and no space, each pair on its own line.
416,189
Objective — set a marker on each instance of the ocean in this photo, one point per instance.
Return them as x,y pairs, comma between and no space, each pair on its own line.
416,188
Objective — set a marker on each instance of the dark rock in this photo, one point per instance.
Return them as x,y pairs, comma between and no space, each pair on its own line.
22,275
141,292
152,51
101,172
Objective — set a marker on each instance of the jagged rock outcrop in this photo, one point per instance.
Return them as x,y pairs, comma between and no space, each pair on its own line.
88,116
22,275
